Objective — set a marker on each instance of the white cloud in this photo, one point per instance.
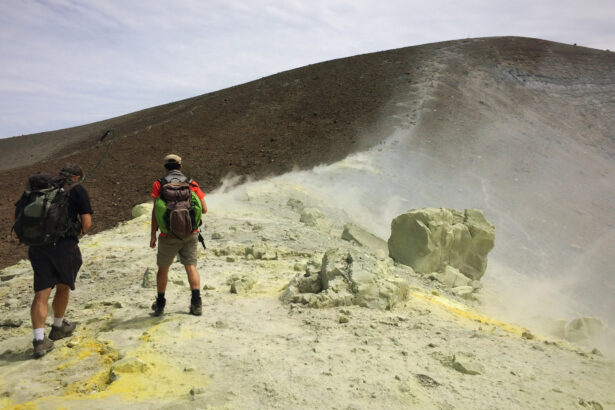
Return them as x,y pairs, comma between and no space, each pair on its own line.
143,53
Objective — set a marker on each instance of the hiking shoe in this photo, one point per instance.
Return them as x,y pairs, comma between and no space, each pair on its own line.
158,307
196,308
63,331
41,347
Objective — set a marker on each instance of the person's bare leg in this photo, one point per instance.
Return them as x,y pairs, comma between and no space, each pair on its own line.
38,310
60,300
162,278
193,277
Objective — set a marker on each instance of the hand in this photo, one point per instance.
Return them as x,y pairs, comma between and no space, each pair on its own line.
152,241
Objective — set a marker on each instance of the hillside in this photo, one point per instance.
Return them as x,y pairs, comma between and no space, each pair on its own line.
518,128
447,94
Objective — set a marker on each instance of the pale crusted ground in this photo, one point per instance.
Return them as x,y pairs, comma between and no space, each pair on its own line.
249,350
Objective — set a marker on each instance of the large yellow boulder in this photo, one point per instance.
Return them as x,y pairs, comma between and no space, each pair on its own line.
430,239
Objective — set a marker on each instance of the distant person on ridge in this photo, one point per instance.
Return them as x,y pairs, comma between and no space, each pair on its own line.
49,216
179,204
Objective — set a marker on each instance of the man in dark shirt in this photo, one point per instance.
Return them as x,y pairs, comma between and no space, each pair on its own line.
56,265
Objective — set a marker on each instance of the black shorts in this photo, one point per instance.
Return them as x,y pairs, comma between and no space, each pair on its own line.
53,264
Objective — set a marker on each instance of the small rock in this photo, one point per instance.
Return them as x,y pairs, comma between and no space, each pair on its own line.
237,287
217,236
343,319
426,381
189,369
141,209
149,279
230,259
464,292
476,284
596,352
240,285
196,390
4,278
221,325
591,404
527,335
11,322
208,287
451,277
11,302
585,329
311,216
295,204
467,365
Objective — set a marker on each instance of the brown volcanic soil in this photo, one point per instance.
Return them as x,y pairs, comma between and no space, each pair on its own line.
299,118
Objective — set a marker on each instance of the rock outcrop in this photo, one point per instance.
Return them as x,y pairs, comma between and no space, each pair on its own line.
347,277
360,236
141,209
585,329
430,239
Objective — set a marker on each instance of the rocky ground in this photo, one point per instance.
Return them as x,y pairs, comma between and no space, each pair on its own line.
250,349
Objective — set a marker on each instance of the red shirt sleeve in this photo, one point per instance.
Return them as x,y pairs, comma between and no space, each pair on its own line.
194,186
156,190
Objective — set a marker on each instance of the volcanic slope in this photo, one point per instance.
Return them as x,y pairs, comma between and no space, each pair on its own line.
514,124
250,350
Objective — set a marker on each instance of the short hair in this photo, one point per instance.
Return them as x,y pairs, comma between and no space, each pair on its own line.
71,170
172,165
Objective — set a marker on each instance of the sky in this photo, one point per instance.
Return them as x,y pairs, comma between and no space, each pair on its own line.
70,62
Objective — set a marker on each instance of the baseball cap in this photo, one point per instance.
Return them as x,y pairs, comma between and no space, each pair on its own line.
172,159
71,170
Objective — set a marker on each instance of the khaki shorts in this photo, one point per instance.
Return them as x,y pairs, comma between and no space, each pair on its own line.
170,246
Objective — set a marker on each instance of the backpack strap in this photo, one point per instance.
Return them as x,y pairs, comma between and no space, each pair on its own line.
175,174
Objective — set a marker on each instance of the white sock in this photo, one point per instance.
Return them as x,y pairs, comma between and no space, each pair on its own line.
57,321
39,334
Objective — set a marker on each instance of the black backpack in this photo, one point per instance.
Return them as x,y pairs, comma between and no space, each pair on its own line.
41,214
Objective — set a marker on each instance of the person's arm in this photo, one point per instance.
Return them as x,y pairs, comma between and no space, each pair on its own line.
152,241
155,193
84,208
86,222
200,194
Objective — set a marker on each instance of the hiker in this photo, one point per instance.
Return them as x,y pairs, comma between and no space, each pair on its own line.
55,264
179,204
